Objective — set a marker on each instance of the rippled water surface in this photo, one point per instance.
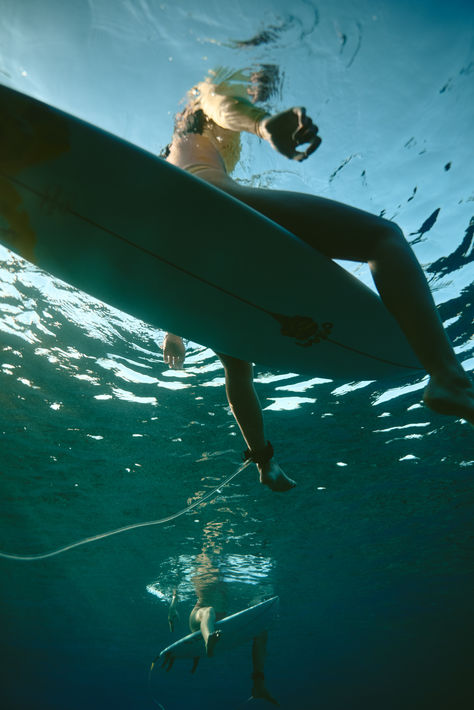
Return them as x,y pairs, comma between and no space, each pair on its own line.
371,554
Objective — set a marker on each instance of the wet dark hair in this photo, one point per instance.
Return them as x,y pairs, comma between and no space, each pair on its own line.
165,151
189,120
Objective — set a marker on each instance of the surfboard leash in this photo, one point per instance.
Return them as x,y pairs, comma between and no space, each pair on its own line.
126,528
153,699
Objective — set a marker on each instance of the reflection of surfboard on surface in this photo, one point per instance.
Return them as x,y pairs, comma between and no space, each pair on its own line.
138,233
236,629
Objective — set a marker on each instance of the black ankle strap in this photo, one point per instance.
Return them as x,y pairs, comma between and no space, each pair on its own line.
262,456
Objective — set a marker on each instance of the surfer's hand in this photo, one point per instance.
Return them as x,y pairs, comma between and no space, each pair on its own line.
174,351
287,130
173,617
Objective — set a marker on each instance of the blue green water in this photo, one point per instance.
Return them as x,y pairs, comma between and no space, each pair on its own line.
371,554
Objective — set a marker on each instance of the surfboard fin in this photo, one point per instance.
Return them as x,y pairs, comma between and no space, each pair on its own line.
168,661
195,664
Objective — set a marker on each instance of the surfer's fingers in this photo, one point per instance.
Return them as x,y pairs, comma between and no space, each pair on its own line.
302,155
307,132
305,125
300,113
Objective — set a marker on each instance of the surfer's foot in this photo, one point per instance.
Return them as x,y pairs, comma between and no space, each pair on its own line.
271,475
452,395
211,642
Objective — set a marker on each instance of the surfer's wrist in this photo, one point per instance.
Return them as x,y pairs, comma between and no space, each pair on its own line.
260,125
173,338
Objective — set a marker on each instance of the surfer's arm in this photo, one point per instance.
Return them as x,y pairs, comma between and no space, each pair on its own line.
173,615
284,131
230,112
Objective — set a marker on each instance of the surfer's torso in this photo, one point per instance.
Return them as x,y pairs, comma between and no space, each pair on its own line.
212,152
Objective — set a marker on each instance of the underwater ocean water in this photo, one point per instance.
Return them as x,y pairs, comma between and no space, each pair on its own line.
371,554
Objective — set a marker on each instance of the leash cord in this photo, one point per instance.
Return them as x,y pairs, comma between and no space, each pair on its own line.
126,528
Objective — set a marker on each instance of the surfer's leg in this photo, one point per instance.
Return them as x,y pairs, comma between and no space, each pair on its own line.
259,651
245,407
343,232
243,400
204,618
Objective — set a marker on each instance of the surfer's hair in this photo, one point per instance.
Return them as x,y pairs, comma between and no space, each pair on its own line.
190,120
165,151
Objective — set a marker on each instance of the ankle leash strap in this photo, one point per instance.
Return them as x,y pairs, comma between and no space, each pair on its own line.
262,456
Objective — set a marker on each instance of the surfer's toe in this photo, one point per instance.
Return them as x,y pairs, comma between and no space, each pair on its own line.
275,478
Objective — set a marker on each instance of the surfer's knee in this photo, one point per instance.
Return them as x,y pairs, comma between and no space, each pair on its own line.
387,236
236,368
194,621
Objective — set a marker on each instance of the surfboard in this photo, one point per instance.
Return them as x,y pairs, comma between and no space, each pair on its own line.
164,246
236,630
